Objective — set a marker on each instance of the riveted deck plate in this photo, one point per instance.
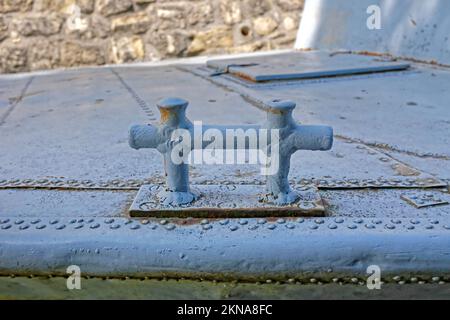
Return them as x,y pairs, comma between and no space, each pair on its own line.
227,201
304,65
424,199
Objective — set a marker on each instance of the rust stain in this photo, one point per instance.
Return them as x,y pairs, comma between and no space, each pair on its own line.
165,114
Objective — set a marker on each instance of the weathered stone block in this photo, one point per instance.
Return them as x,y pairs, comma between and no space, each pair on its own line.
134,23
171,44
15,5
37,25
3,28
43,54
200,14
289,5
231,11
74,53
13,59
110,7
256,8
127,49
85,6
214,38
264,25
169,16
144,1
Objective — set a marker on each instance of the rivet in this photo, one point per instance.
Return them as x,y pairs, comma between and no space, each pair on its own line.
170,226
97,251
72,221
54,221
20,221
332,226
376,221
234,228
313,280
413,279
429,227
271,226
109,220
182,255
224,222
60,227
313,227
79,226
145,221
351,226
390,226
128,221
281,221
410,227
401,282
94,226
115,226
434,221
290,226
319,221
447,227
370,226
300,220
396,221
4,221
207,227
339,220
40,226
163,222
415,221
261,221
435,279
204,221
359,221
80,220
253,227
243,222
6,226
135,227
396,278
23,227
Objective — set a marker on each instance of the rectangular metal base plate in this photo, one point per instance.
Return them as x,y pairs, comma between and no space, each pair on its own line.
424,199
227,201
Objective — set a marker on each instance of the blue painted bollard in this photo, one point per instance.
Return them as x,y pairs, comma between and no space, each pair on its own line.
279,137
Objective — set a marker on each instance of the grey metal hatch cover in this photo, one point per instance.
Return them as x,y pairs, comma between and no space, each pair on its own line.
304,65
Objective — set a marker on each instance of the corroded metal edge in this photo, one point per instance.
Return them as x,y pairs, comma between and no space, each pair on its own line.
230,201
252,249
135,184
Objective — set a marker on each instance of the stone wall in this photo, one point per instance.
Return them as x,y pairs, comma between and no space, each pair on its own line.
45,34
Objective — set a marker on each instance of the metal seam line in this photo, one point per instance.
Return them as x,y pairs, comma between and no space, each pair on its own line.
17,101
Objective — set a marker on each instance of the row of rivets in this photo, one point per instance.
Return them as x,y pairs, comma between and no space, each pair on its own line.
135,183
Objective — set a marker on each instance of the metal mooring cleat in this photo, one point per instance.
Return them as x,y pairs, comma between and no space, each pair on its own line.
279,137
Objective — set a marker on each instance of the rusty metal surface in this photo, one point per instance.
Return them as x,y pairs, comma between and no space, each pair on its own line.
232,201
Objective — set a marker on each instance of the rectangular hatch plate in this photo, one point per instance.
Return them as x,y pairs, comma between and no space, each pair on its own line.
227,201
304,65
